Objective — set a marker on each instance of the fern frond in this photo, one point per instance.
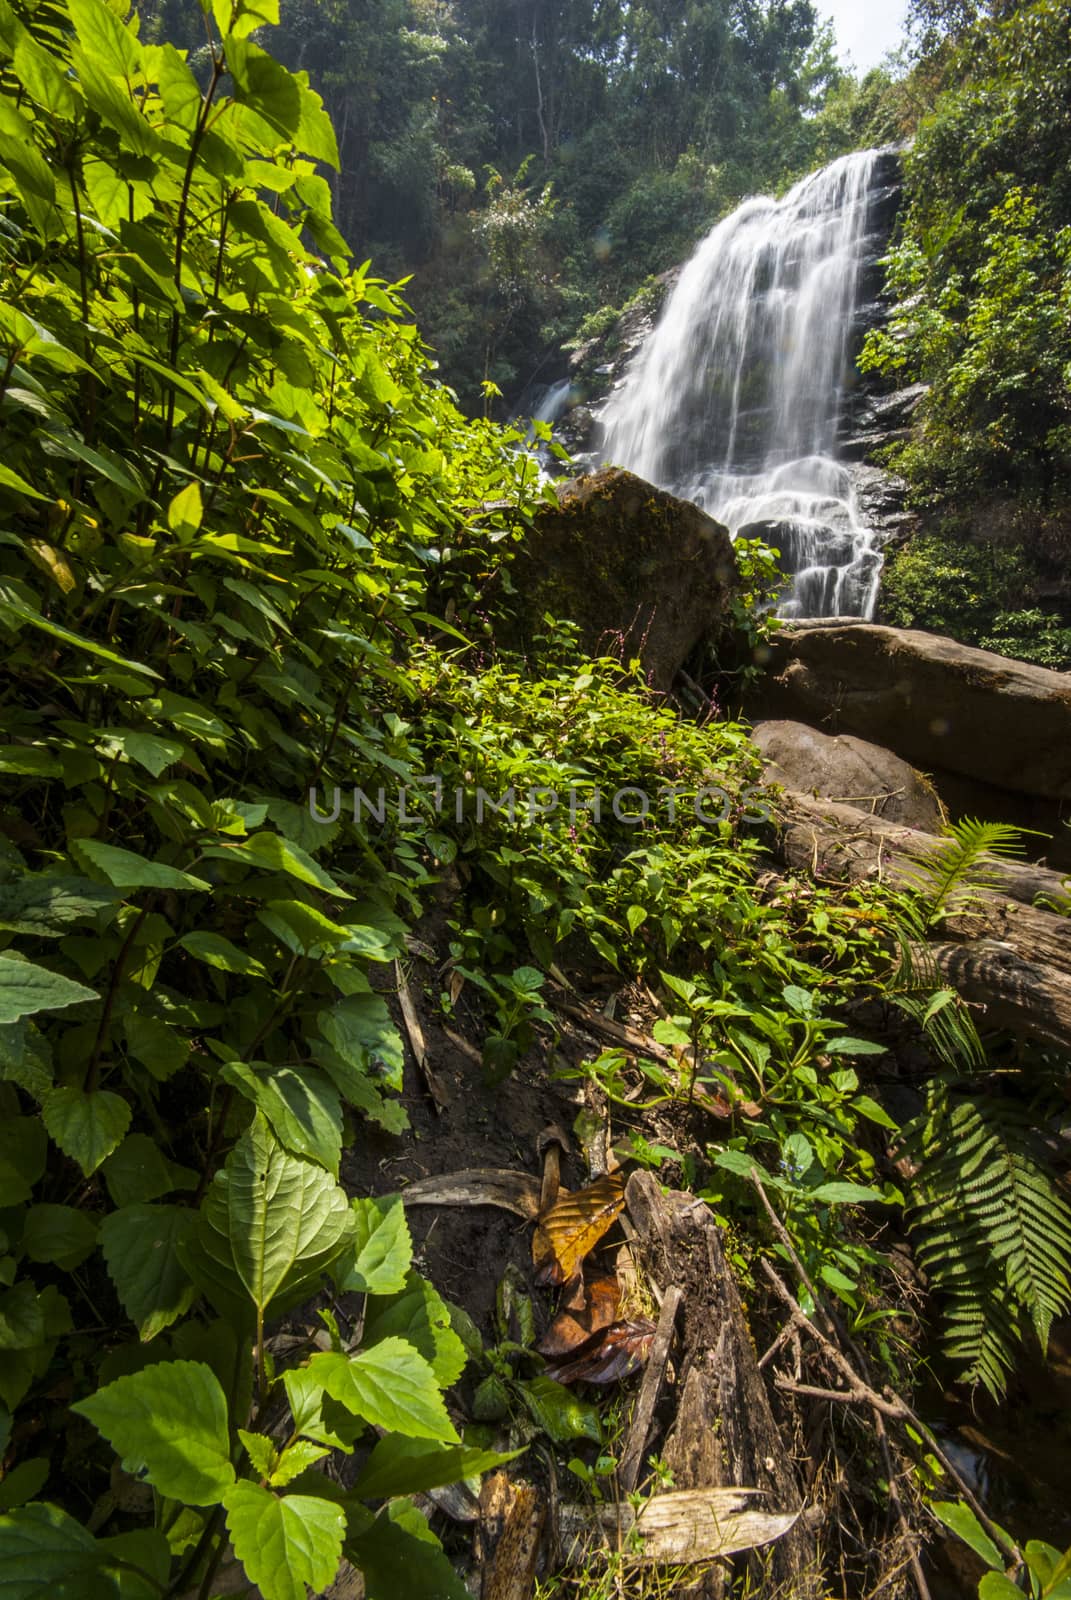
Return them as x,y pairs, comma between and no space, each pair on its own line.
992,1232
959,870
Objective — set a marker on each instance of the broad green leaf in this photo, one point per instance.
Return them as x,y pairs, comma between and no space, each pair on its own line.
316,1415
186,510
391,1386
296,1459
30,761
45,904
141,1250
419,1316
395,1561
260,1450
42,77
216,951
23,1153
61,1235
47,1555
22,1318
170,1423
382,1247
359,1028
137,1171
560,1414
24,1482
411,1466
838,1193
25,1059
872,1111
301,1104
264,85
26,988
13,607
141,1561
302,928
147,749
126,870
842,1045
155,1044
270,1219
87,1127
285,1542
276,854
965,1525
995,1586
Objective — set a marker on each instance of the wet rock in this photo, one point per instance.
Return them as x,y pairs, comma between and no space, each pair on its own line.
641,572
938,704
849,770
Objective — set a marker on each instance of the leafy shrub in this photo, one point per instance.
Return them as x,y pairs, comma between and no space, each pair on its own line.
225,482
977,593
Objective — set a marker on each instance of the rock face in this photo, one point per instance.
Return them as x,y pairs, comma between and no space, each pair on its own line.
642,573
849,770
945,706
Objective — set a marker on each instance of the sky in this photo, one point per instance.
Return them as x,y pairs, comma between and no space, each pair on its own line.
865,29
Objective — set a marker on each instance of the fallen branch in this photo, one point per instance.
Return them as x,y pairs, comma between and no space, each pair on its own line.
682,1528
654,1375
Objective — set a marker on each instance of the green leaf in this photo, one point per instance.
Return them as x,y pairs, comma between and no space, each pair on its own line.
296,1459
22,1319
316,1415
21,612
411,1466
260,1450
965,1525
302,928
264,85
276,854
382,1247
842,1045
186,510
147,749
25,1059
170,1423
47,1555
23,1153
419,1316
142,1252
137,1171
43,79
23,1483
286,1542
301,1104
86,1127
215,951
61,1235
559,1413
359,1028
391,1386
26,988
843,1194
126,870
869,1108
156,1045
270,1220
45,905
395,1561
995,1586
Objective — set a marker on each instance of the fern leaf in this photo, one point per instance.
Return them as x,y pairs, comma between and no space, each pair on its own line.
959,870
992,1232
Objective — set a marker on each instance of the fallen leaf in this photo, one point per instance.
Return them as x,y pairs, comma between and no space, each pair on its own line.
573,1226
595,1307
611,1353
479,1186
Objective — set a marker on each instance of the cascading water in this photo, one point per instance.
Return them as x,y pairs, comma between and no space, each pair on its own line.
734,399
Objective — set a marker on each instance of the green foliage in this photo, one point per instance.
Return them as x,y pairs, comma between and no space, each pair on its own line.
226,482
977,593
1045,1573
993,1233
982,273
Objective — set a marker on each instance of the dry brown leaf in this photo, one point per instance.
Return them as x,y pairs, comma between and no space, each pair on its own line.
604,1297
574,1225
611,1353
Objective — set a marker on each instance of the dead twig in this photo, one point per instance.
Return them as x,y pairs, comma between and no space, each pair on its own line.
653,1378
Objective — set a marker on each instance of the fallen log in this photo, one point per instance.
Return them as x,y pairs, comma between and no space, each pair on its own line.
724,1435
1002,953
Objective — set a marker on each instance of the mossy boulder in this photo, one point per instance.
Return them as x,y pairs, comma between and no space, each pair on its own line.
640,572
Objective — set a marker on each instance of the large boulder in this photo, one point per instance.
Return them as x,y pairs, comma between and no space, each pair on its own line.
941,705
849,770
641,572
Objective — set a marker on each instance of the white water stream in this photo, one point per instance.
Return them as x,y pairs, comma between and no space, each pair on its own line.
733,400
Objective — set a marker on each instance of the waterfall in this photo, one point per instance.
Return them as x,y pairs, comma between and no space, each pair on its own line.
733,401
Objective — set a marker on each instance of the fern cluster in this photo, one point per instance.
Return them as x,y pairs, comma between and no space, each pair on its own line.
992,1232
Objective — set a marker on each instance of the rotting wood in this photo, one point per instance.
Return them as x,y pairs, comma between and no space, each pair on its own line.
726,1436
514,1518
479,1186
418,1044
615,1032
1020,995
632,1457
681,1528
